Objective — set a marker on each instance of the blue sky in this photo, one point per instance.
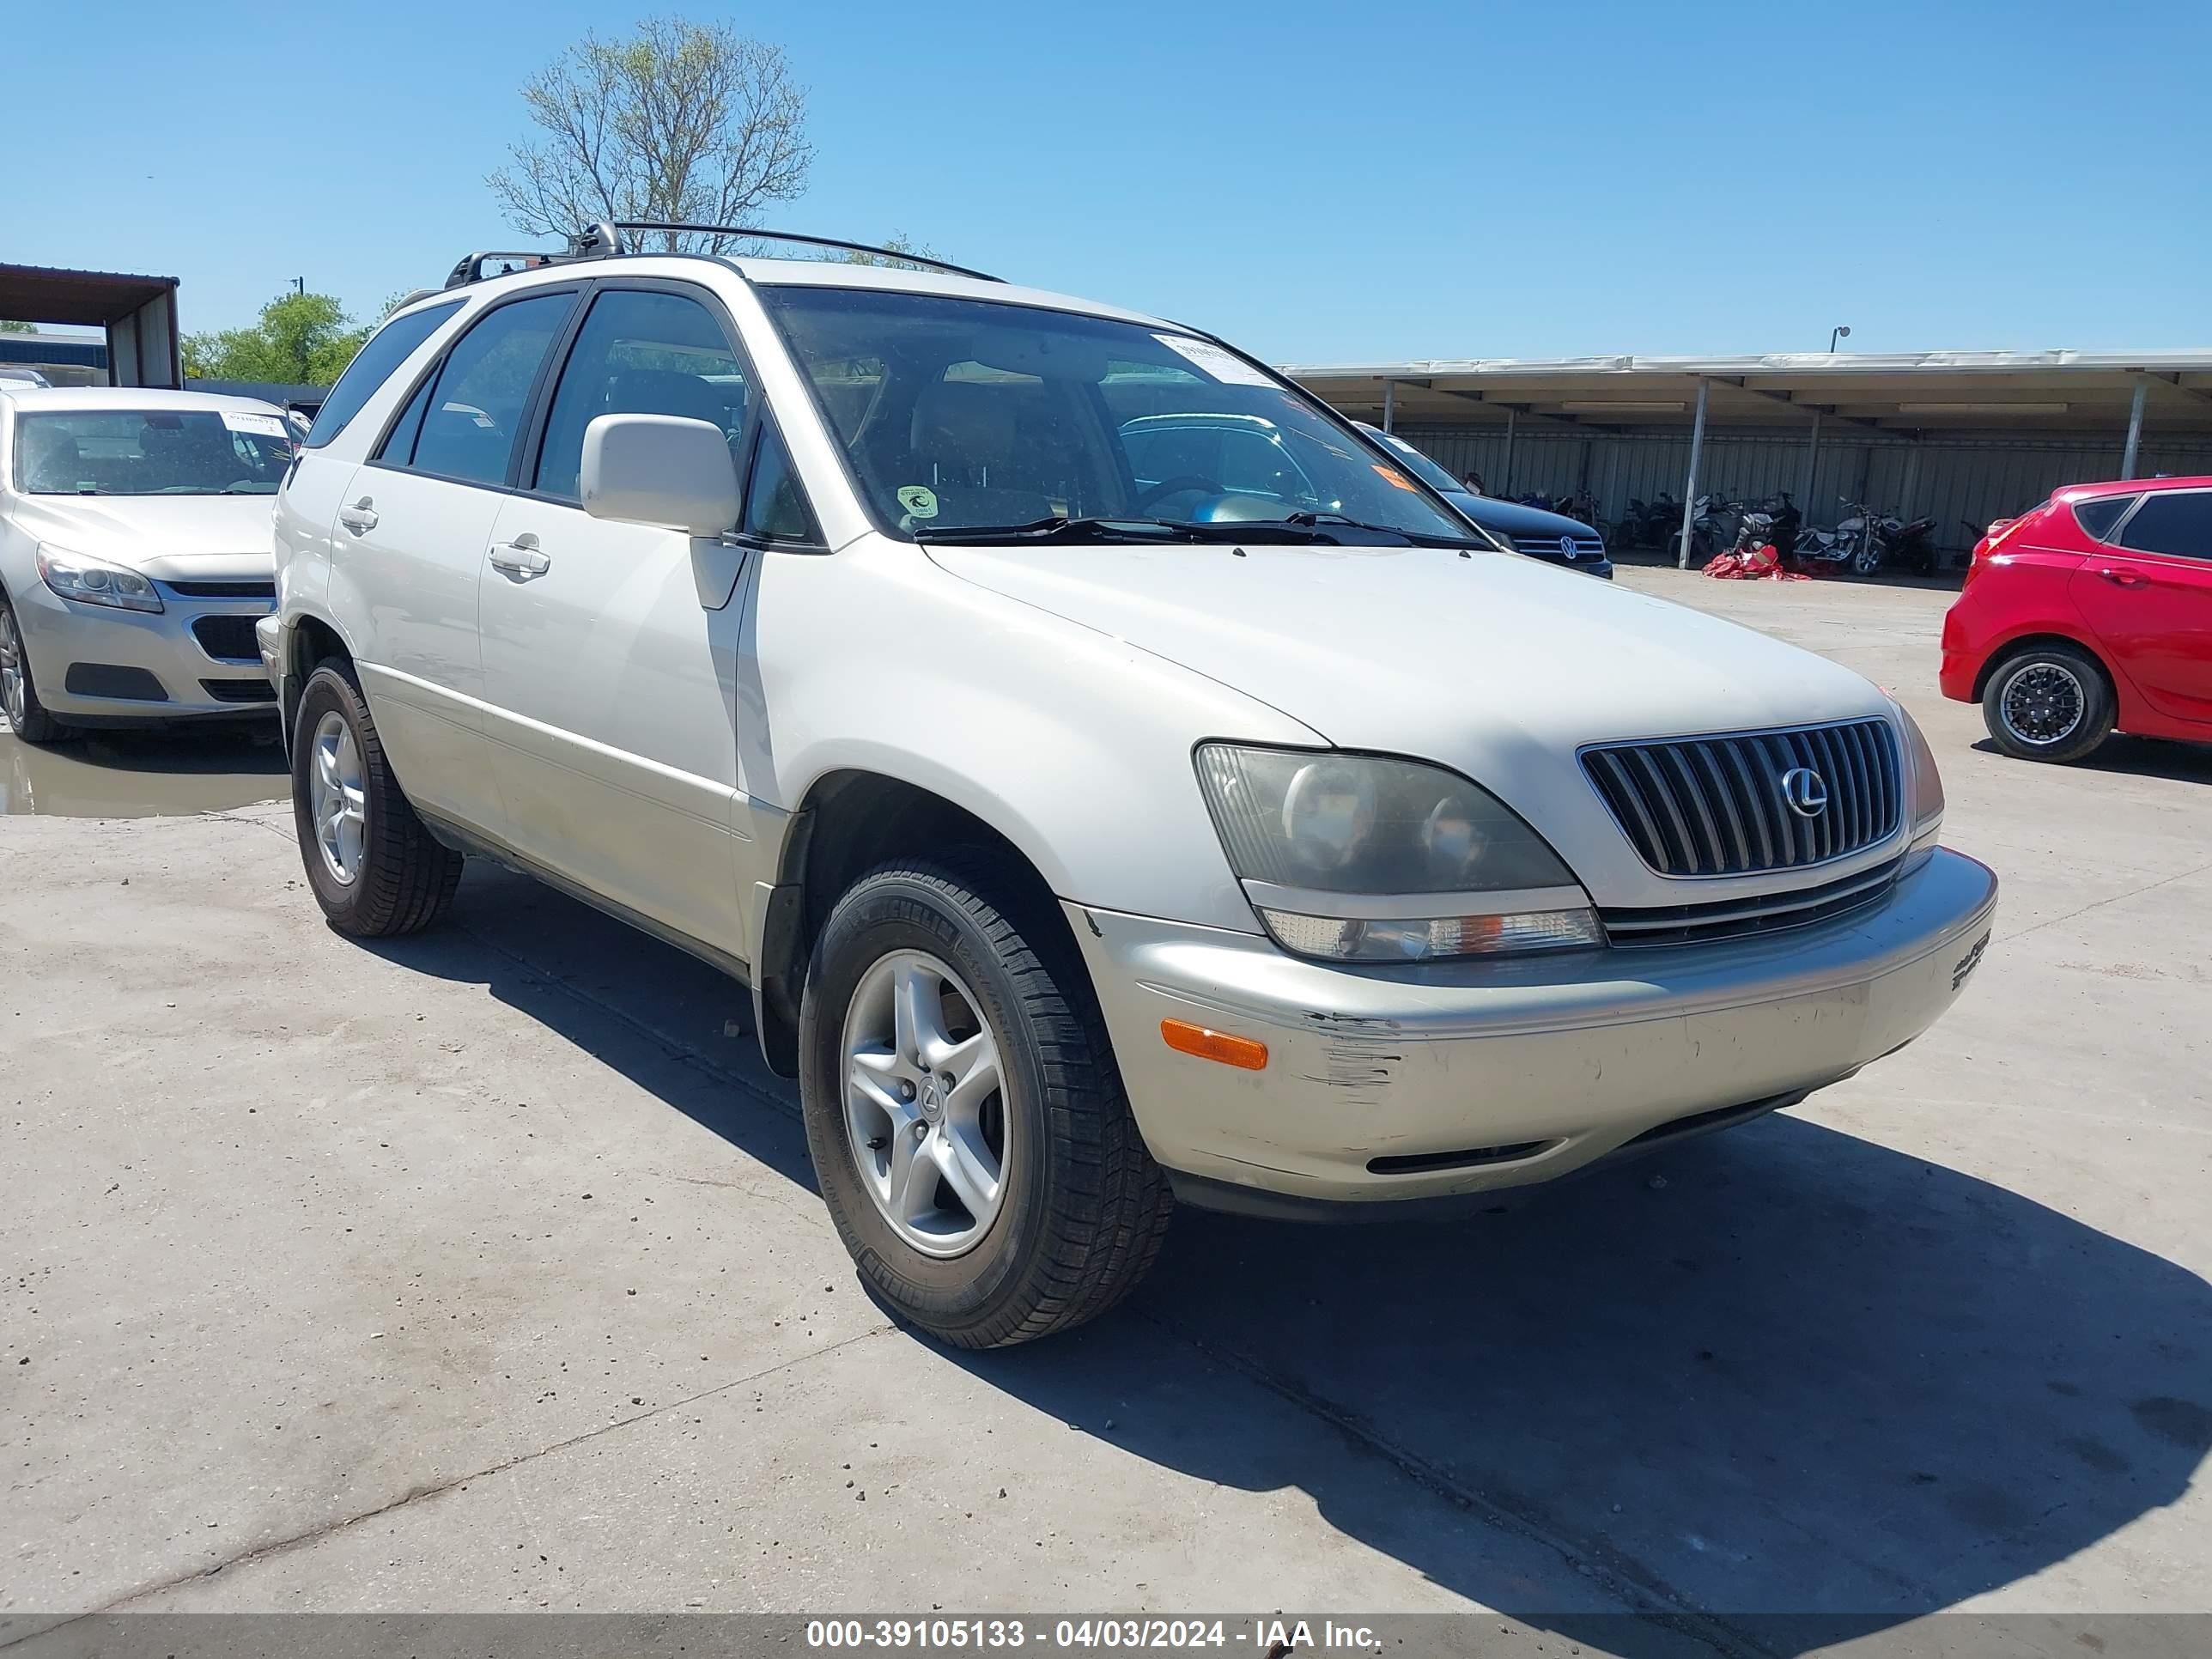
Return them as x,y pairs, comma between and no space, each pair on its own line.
1321,181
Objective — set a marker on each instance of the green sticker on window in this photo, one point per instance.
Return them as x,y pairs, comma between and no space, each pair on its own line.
919,499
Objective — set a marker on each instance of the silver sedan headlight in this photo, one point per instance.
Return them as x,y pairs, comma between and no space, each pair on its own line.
1359,858
89,580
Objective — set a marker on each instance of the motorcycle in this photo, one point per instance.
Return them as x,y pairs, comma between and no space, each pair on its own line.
1770,523
1581,506
1650,524
1713,524
1913,546
1862,542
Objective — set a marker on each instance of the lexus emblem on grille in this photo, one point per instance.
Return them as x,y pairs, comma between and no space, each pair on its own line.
1567,545
1805,791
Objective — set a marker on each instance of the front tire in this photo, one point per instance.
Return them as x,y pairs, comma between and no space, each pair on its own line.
19,692
1016,1202
375,870
2049,702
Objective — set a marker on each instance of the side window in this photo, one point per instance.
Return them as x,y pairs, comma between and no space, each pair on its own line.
640,353
1253,465
776,503
1159,454
2175,521
397,449
388,347
475,409
2100,514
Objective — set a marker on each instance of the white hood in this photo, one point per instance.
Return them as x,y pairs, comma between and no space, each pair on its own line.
1496,666
171,538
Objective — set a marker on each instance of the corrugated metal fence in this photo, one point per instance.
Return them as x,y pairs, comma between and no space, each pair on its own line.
1963,483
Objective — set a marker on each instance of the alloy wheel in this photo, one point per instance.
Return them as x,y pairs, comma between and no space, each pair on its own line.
11,669
925,1115
2044,703
338,795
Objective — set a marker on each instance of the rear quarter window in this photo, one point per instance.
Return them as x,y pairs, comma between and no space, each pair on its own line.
373,365
2099,514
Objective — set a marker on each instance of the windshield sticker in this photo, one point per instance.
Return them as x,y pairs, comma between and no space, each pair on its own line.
1390,475
266,426
1226,367
919,499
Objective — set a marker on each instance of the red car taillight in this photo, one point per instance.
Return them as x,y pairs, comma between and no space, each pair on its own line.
1999,532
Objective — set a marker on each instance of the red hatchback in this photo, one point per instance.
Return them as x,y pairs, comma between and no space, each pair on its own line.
2087,615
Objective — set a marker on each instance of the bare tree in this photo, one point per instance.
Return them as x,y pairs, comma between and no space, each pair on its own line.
681,121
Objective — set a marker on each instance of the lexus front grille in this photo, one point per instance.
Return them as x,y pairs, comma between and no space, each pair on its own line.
1754,802
1767,913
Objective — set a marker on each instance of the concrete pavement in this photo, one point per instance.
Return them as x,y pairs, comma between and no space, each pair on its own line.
482,1270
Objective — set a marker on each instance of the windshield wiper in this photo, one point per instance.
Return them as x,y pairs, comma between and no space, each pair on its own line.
1059,528
1418,537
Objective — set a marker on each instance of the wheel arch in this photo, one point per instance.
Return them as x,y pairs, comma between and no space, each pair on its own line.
850,821
2003,653
308,639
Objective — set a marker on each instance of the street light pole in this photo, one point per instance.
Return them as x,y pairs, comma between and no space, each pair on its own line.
1844,330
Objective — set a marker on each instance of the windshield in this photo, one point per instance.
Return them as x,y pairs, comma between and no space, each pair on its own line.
151,452
1428,472
961,415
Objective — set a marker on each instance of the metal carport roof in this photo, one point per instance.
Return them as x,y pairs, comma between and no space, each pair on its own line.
138,312
1906,392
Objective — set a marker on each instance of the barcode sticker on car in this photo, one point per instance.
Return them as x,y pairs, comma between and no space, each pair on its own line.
268,426
1225,366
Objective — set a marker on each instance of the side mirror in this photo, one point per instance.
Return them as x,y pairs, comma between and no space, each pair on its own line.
659,469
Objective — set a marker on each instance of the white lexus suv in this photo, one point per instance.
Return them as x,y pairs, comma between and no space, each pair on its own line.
1096,826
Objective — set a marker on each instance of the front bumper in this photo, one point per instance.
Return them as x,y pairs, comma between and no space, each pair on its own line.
97,665
1470,1077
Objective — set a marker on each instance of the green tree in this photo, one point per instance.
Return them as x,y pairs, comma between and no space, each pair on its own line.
897,242
681,121
302,339
10,327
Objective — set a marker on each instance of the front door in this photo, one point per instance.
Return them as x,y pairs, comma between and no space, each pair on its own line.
412,526
610,649
2148,597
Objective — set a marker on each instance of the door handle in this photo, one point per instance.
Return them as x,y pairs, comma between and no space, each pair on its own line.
2120,578
360,518
520,558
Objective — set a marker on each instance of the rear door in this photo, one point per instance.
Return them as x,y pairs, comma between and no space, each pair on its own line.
610,649
413,527
2146,594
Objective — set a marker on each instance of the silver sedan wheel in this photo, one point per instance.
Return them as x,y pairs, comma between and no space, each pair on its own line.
336,794
12,698
2043,704
925,1114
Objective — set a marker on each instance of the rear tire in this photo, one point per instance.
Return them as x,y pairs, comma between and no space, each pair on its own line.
2048,702
19,692
1077,1211
375,870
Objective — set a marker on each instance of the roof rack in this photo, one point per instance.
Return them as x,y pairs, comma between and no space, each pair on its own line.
892,253
604,239
594,241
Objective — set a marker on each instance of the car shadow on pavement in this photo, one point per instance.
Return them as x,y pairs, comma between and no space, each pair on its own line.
2139,757
1787,1381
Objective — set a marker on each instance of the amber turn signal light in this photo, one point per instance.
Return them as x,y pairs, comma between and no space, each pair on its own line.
1186,1038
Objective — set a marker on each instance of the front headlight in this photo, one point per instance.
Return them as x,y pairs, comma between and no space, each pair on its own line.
1355,858
1927,797
94,581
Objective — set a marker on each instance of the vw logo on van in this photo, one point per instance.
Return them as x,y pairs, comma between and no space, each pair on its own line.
1567,546
1805,791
